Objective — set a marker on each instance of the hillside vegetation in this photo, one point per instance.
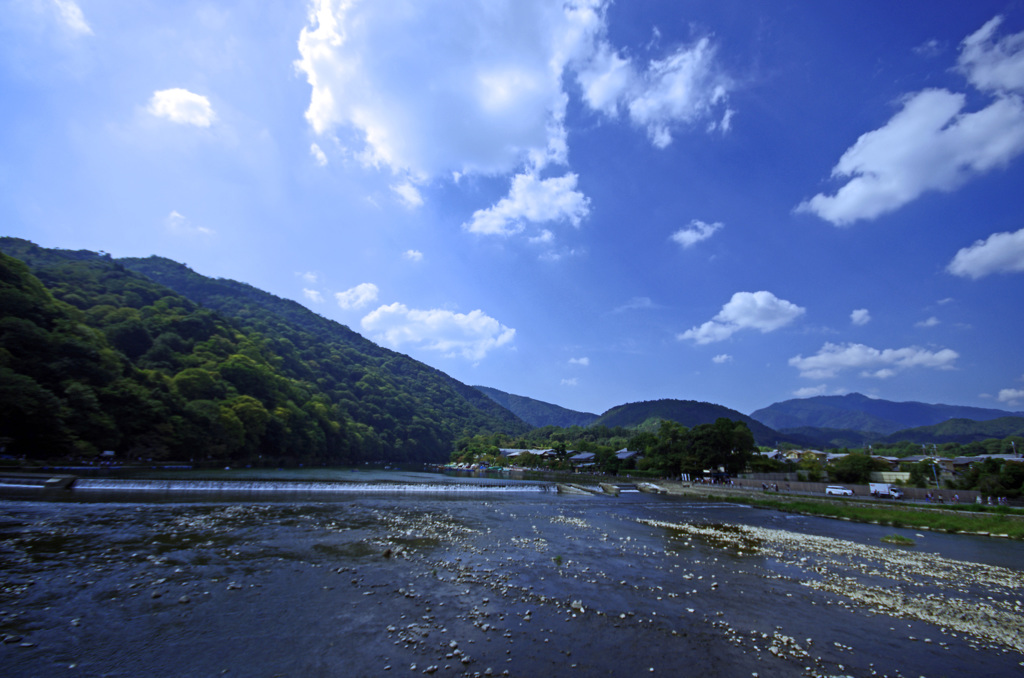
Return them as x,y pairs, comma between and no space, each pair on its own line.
160,362
689,413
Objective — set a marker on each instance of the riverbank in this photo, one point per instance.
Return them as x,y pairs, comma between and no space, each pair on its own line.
980,521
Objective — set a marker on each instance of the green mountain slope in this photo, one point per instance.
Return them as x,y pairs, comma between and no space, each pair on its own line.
690,413
237,373
536,412
860,413
960,431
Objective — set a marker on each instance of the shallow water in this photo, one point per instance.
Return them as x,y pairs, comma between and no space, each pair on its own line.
372,583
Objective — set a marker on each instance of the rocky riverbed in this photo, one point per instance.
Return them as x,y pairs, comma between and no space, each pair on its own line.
517,585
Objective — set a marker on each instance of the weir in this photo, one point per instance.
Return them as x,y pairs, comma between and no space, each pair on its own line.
265,487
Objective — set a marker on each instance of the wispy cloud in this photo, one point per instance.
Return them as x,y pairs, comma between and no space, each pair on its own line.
835,358
583,362
412,255
179,224
696,232
313,296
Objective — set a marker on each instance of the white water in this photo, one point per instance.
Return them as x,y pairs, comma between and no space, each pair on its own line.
279,487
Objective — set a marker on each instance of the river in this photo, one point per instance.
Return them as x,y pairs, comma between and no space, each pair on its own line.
335,573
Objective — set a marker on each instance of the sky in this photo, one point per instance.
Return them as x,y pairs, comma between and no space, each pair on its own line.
585,202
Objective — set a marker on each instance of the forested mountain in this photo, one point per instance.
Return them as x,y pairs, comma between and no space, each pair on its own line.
859,413
150,359
961,431
536,412
689,413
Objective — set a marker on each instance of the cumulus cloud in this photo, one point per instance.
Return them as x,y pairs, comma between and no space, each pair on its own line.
70,15
746,310
313,296
930,322
318,155
471,335
722,358
179,224
309,276
357,297
695,232
860,316
413,255
932,143
182,107
408,195
436,91
999,253
1011,396
534,200
584,361
835,358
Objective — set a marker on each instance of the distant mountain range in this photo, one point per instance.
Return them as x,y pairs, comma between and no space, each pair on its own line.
856,412
536,412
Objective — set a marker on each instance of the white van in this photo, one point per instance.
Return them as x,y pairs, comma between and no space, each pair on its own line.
838,489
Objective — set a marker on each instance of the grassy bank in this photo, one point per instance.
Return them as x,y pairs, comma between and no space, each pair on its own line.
912,517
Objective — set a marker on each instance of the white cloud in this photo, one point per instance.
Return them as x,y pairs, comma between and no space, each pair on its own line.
318,155
545,237
682,88
932,144
431,92
471,335
413,255
1000,253
695,232
811,391
70,14
834,358
992,65
358,296
313,296
746,310
570,382
584,361
408,194
1011,395
860,316
722,358
179,224
309,276
930,322
182,107
534,200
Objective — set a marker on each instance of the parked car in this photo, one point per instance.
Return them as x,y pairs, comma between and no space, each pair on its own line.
838,489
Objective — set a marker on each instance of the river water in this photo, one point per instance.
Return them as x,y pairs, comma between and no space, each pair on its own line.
334,573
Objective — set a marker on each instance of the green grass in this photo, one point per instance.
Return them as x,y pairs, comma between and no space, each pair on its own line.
915,517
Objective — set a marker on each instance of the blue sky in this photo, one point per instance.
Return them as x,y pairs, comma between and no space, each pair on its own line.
587,203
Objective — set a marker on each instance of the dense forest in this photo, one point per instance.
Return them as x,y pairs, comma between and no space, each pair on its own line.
96,357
